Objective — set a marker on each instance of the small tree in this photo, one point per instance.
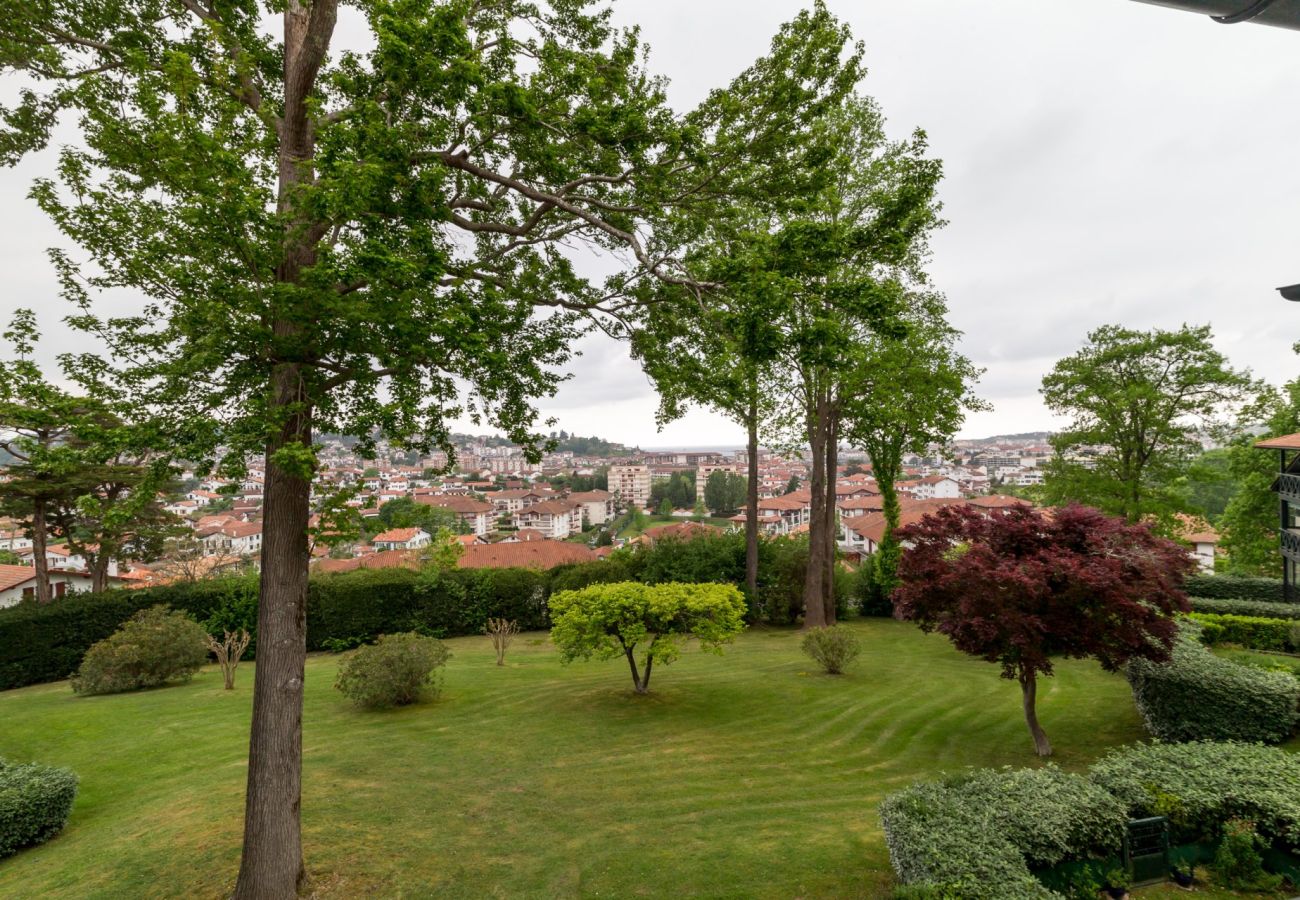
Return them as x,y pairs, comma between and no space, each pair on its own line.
665,507
1019,587
502,632
228,652
609,620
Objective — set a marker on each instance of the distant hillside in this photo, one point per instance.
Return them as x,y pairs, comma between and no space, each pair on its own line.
1039,437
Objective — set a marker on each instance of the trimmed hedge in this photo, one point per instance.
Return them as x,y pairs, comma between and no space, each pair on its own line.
35,802
1201,785
978,835
1234,587
1197,696
1261,608
1251,632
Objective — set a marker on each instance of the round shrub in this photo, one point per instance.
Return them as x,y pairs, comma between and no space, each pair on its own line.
1199,696
833,647
155,646
35,802
396,670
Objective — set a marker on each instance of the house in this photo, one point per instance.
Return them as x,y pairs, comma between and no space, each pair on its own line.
678,531
555,519
597,506
475,514
1204,540
401,539
18,583
509,502
931,487
780,515
231,539
1287,488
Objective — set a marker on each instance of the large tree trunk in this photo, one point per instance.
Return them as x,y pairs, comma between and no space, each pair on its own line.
1029,693
814,589
751,500
830,535
99,570
272,864
40,540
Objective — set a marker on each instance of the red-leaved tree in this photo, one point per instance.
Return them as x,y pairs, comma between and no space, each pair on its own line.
1020,586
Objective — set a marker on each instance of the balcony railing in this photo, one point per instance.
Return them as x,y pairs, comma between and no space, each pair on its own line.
1288,487
1291,544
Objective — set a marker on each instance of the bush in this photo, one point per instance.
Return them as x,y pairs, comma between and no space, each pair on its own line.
1234,587
35,802
1251,632
832,648
977,835
396,670
1238,864
1261,608
1198,696
154,647
1202,785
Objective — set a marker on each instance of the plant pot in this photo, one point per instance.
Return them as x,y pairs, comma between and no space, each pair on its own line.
1183,879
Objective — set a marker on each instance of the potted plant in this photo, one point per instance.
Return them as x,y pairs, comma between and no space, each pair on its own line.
1183,874
1117,884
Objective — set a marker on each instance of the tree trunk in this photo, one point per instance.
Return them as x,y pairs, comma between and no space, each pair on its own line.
1029,691
40,539
639,684
99,570
272,864
829,538
751,500
814,589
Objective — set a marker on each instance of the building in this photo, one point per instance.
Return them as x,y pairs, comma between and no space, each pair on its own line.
555,519
18,583
1287,488
703,472
476,514
401,539
597,506
631,484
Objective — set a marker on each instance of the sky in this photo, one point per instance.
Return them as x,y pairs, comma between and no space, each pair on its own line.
1106,162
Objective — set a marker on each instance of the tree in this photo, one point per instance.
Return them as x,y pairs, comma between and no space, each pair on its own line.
609,620
724,492
792,485
404,512
1143,396
665,507
1020,587
338,241
903,393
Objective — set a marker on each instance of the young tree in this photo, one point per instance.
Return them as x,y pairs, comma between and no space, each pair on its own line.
792,485
1144,396
351,242
902,393
609,620
665,507
1020,587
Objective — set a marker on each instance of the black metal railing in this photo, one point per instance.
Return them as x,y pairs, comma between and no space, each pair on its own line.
1288,487
1291,544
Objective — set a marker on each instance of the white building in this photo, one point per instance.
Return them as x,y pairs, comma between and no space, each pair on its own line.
631,484
401,539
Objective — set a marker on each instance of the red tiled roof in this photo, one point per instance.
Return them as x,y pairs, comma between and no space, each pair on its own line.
455,503
549,507
1285,442
526,554
681,531
12,576
395,536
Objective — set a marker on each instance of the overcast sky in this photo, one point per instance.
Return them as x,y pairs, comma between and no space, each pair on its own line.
1105,162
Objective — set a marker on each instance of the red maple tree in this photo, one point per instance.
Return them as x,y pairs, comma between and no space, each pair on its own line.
1019,586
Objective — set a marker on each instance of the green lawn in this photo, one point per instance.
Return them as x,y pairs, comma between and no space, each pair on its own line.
746,775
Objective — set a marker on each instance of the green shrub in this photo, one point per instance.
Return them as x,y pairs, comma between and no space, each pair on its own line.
1203,784
977,835
1238,864
1234,587
396,670
832,648
1198,696
35,802
1251,632
1261,608
237,611
155,646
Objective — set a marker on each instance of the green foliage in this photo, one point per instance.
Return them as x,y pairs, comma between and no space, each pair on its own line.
156,646
832,647
1208,484
35,802
1238,864
1145,395
608,620
404,512
1261,608
237,610
1203,784
1235,587
977,835
1251,632
724,492
678,492
1198,696
396,670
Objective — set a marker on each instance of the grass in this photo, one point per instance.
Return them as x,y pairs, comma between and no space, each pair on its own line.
745,775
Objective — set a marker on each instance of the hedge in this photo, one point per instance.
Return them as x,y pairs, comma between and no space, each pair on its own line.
1234,587
1198,696
1261,608
35,802
1251,632
978,835
1201,785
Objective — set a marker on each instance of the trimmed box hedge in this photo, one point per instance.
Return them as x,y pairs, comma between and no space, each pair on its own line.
1198,696
983,834
35,802
1234,587
1251,632
1261,608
